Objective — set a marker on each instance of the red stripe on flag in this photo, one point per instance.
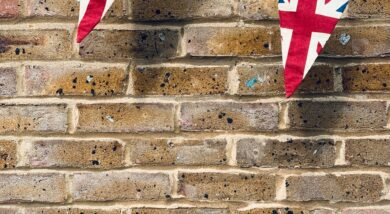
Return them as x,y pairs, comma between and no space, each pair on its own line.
91,18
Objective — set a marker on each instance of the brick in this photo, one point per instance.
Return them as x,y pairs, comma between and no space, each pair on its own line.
123,186
71,211
147,10
9,211
258,10
65,9
180,80
366,77
171,152
78,79
8,154
35,44
285,210
265,79
32,187
303,153
223,186
74,154
229,116
364,41
337,115
9,8
369,9
122,117
124,44
179,211
366,210
346,188
33,118
7,81
232,41
367,152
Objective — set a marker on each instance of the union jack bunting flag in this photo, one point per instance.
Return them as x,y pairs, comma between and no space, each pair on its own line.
305,26
91,12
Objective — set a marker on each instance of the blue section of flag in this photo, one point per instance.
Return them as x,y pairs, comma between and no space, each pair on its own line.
281,1
342,8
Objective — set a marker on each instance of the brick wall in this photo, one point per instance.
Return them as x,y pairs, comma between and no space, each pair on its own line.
176,106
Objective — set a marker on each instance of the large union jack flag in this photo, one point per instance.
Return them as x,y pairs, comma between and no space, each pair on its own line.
91,12
306,26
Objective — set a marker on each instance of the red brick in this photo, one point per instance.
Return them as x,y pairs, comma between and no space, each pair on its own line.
9,8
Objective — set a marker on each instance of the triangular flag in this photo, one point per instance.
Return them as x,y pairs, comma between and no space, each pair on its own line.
91,12
306,26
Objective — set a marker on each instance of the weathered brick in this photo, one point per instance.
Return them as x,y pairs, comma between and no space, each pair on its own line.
266,79
32,187
35,44
7,81
366,210
348,188
84,79
229,116
337,115
122,117
223,186
171,152
366,77
9,211
33,118
180,80
122,186
286,210
258,10
8,154
292,153
179,211
371,152
363,41
124,44
74,153
65,9
369,8
65,210
9,8
147,10
232,41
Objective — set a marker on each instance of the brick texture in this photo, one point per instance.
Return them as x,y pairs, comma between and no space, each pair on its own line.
178,106
120,186
221,186
354,188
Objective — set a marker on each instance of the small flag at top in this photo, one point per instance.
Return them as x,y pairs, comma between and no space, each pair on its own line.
91,12
305,26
